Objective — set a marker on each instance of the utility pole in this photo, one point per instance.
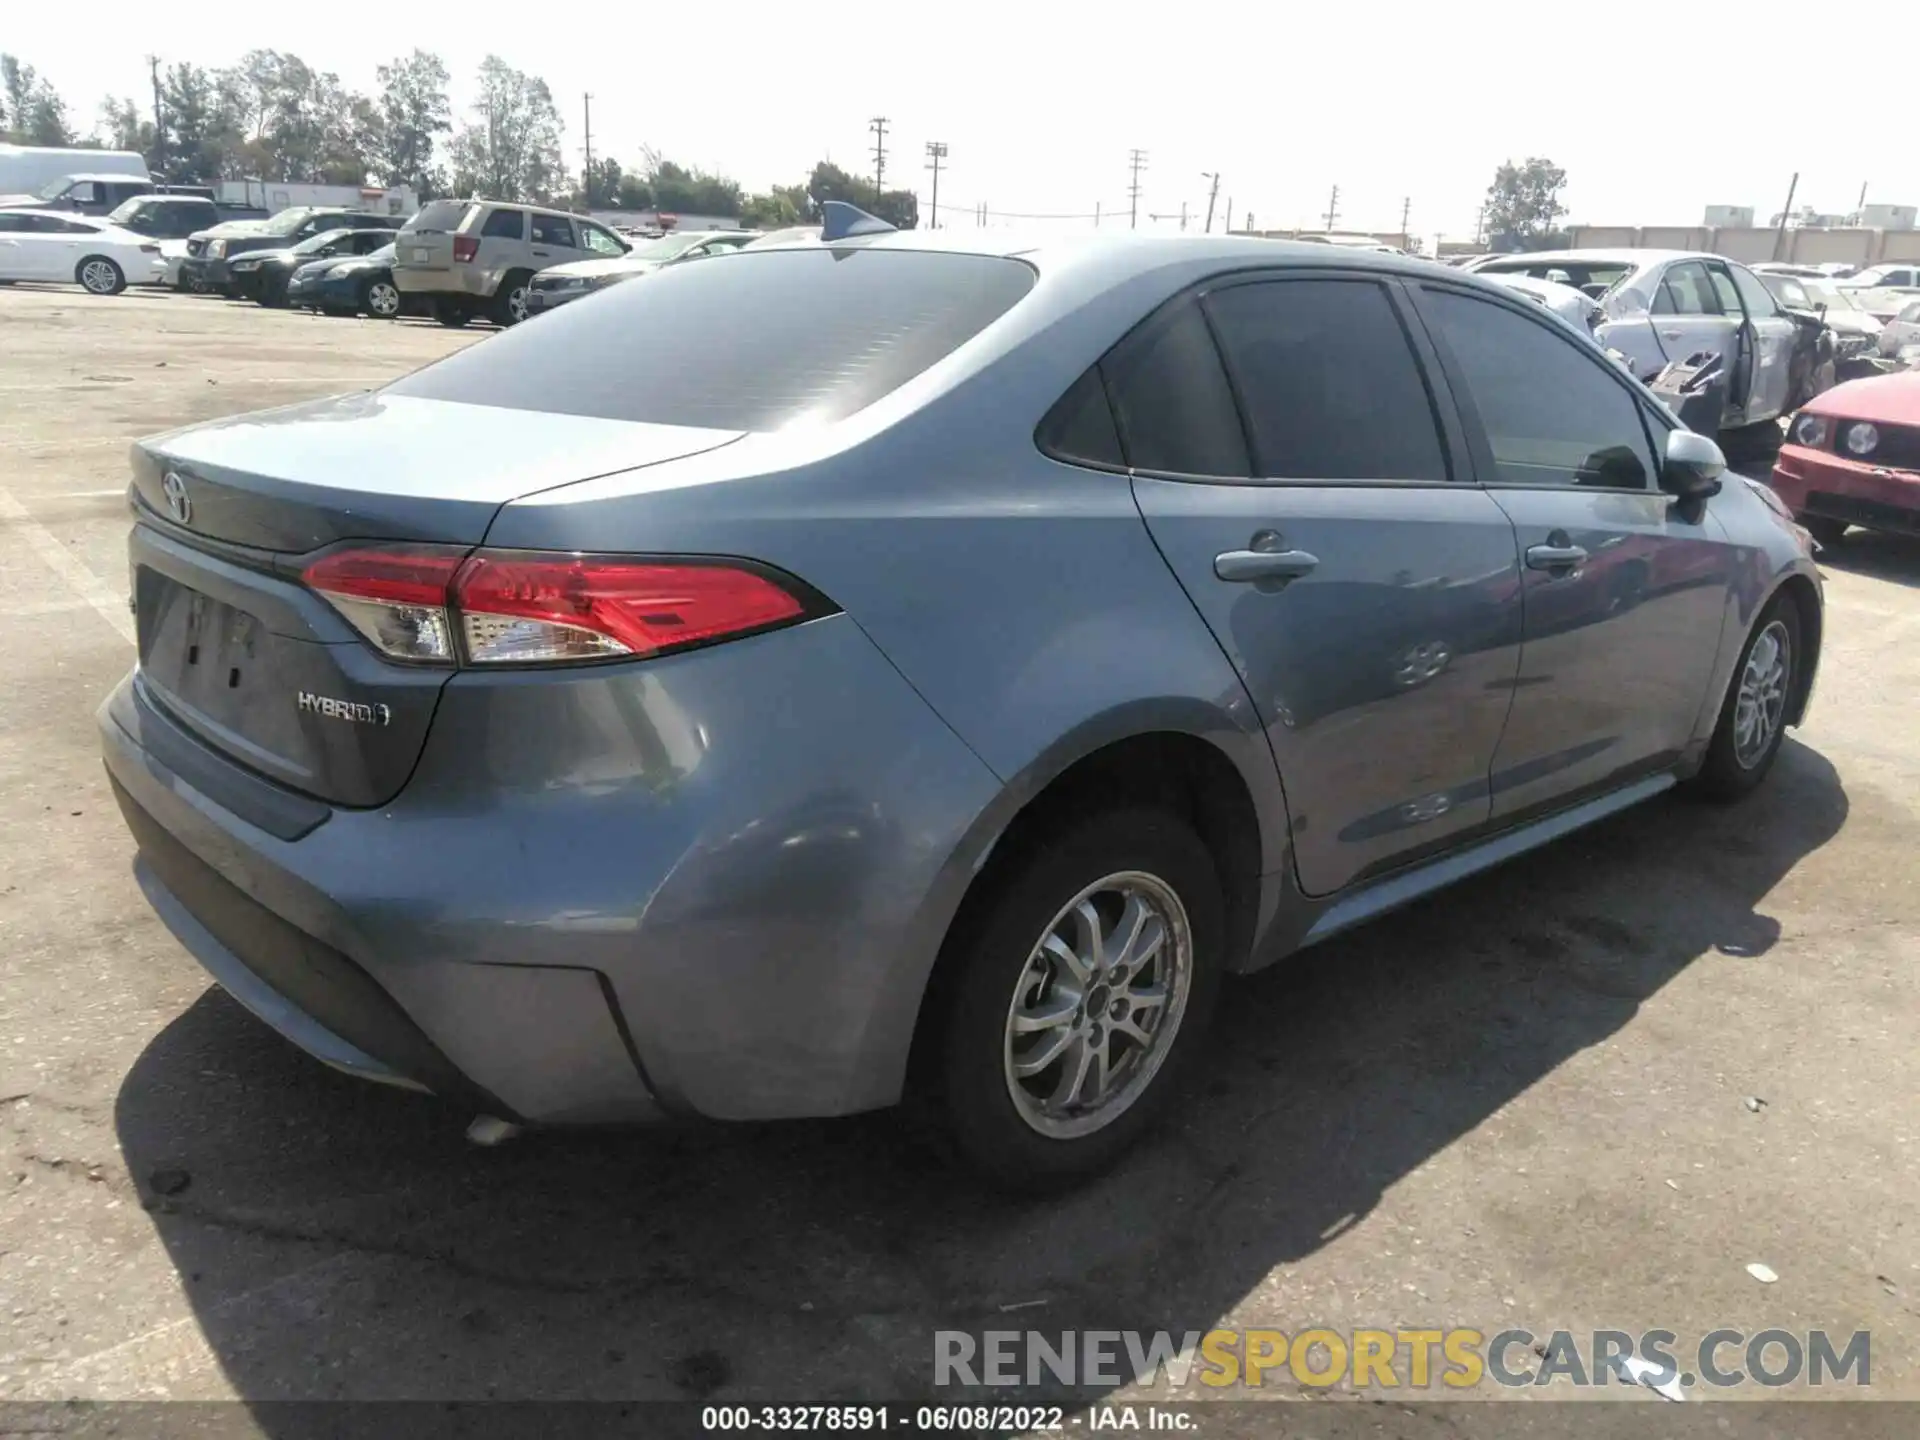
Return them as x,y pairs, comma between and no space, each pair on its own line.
1183,215
586,176
1480,224
1333,208
878,125
1096,214
1780,230
1406,210
1212,192
1860,209
1136,162
159,120
936,152
1229,215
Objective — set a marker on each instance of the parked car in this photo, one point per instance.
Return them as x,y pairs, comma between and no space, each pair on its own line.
557,284
101,259
166,216
263,275
466,258
791,235
1665,305
1852,457
1854,330
1883,290
870,668
211,252
1900,336
349,285
85,194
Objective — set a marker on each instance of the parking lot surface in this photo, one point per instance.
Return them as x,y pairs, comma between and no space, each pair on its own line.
1584,1092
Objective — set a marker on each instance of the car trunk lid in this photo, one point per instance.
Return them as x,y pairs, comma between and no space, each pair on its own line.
256,664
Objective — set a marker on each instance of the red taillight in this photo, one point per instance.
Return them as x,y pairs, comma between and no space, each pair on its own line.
540,608
465,247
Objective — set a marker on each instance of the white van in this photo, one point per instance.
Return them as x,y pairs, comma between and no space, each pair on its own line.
26,170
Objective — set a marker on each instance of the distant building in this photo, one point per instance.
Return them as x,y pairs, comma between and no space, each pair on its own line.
1889,217
276,195
1720,216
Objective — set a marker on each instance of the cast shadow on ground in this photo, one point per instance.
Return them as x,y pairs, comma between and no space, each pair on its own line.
341,1239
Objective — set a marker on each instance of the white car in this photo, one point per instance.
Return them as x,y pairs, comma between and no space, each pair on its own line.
1884,290
101,259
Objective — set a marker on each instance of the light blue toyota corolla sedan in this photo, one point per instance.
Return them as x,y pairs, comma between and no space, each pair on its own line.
917,665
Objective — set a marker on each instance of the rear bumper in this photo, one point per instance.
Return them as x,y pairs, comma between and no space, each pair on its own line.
1818,483
713,884
466,281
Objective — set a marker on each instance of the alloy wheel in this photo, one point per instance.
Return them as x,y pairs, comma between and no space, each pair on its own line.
1761,701
384,300
1098,1004
98,277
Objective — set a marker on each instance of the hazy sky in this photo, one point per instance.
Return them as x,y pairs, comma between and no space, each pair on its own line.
1658,111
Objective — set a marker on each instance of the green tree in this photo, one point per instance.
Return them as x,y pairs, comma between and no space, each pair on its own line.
509,149
31,111
600,184
126,128
1523,204
680,191
415,112
781,206
899,208
633,193
204,127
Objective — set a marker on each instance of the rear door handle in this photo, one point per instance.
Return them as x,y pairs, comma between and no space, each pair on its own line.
1251,565
1555,557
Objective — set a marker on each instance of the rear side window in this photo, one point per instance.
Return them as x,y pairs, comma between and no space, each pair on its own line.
1759,300
1552,412
1328,380
1171,399
553,230
775,338
505,225
1080,428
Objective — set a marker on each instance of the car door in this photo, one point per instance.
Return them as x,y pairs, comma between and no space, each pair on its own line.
41,243
1625,589
1688,317
1766,340
1299,477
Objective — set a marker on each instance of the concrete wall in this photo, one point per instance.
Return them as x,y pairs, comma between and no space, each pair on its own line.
1802,245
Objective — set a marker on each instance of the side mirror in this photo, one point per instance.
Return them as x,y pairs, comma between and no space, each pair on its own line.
1693,466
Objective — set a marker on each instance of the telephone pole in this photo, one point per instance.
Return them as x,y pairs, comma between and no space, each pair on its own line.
878,125
1406,210
159,121
586,175
1212,192
1860,209
1333,208
1136,162
936,152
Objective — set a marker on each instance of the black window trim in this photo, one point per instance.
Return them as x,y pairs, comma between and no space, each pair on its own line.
1449,425
1479,446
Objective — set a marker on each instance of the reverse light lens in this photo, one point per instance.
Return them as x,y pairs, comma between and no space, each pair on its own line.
1811,431
397,599
1862,437
541,608
520,608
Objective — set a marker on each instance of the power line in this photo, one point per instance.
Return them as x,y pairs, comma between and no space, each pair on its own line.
878,125
936,152
1136,162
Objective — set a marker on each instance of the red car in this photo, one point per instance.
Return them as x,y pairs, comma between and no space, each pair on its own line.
1852,457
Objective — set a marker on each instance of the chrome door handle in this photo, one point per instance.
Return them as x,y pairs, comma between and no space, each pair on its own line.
1251,565
1669,334
1555,557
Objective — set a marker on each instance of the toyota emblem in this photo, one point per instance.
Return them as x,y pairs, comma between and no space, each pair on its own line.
179,503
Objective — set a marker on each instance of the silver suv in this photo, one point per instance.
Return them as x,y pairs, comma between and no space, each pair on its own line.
477,257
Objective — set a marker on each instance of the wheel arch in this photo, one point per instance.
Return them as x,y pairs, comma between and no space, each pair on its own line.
1187,770
1801,592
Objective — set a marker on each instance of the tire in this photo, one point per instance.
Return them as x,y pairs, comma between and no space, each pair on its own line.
451,313
1009,955
381,299
1738,759
97,275
509,305
1825,531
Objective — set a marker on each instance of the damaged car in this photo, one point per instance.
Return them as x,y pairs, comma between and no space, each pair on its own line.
1856,334
1667,306
1852,457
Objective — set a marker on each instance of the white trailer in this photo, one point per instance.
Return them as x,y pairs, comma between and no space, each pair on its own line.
28,169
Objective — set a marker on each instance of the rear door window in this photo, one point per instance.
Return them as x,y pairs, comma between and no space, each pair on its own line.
505,225
780,337
1171,397
1328,381
1685,290
553,230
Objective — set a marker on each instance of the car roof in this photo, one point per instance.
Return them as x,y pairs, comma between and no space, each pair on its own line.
97,221
118,178
1604,257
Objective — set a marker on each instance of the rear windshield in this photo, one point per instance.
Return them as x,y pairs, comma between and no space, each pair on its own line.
757,340
440,215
